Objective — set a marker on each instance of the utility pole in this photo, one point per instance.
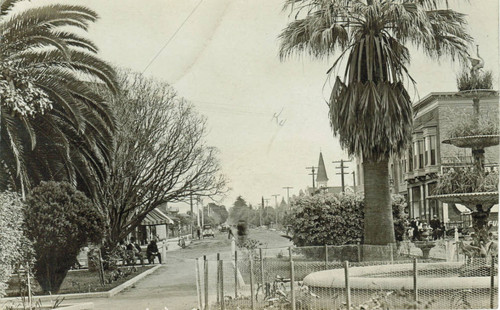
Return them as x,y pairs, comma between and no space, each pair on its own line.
342,173
276,206
354,180
313,175
202,212
260,212
288,188
191,222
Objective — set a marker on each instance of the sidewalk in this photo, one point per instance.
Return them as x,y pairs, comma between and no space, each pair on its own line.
172,286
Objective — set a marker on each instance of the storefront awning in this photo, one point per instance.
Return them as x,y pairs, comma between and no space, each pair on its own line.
156,217
464,209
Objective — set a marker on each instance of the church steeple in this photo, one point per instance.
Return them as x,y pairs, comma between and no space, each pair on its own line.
321,177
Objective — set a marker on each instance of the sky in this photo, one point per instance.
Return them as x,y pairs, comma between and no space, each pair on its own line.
222,55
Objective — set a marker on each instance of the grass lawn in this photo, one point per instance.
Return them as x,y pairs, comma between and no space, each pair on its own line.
78,281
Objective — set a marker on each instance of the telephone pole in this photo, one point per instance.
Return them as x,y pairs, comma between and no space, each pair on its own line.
260,212
313,175
276,207
342,173
288,188
191,222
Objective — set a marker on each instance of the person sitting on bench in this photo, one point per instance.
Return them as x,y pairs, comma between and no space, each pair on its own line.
152,252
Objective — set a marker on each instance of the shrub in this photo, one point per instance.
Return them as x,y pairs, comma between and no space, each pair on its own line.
399,216
14,247
467,81
466,180
336,219
327,219
60,220
469,125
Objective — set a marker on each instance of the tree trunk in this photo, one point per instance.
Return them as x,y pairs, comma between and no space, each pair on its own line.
378,223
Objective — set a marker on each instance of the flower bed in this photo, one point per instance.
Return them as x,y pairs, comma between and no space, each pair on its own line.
81,281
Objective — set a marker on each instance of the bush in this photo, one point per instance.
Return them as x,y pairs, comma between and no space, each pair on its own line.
336,219
327,219
14,248
466,180
60,220
466,125
468,81
399,216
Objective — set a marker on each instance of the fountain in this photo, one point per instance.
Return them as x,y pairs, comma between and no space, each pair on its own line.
425,244
481,193
440,278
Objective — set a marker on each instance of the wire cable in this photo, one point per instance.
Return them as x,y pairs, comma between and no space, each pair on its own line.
172,37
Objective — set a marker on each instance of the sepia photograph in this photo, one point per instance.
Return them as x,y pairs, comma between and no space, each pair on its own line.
249,154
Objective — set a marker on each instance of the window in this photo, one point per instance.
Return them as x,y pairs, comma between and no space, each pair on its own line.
415,155
420,154
432,141
410,160
426,151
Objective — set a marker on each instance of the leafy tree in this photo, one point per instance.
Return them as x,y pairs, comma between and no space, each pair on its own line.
370,109
60,220
52,125
159,156
239,211
14,249
218,214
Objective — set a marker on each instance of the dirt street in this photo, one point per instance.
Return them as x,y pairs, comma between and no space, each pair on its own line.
173,286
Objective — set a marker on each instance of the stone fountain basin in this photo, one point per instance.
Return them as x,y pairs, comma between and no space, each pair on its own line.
372,277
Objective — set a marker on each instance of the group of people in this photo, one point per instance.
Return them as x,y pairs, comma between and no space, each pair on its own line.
132,252
417,228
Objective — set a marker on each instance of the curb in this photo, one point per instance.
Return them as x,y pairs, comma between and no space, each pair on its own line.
105,294
82,306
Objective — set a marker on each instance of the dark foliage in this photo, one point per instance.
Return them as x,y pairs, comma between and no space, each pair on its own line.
60,220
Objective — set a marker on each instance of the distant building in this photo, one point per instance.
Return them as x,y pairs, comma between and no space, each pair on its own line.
415,174
322,181
321,177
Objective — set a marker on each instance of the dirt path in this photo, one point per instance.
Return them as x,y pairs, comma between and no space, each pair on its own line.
173,286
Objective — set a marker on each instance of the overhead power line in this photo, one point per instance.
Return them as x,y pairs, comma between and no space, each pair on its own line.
172,37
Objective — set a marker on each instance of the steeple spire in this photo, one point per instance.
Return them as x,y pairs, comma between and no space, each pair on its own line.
321,177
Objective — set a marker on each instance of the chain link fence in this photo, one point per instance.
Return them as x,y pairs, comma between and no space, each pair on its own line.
403,276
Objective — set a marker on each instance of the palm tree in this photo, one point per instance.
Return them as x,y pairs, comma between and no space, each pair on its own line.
53,124
370,109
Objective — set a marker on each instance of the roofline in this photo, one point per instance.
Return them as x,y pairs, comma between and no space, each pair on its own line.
432,96
435,95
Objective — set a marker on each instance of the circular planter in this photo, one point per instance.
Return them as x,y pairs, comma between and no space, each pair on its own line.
487,199
476,142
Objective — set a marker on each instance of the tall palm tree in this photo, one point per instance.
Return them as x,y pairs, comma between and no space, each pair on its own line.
370,109
53,124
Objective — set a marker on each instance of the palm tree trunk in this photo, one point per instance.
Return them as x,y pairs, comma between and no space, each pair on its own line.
378,224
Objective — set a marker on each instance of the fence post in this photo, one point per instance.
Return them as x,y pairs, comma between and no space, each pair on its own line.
261,268
217,286
205,266
198,283
292,278
347,285
492,282
235,274
392,254
221,263
252,297
415,275
326,256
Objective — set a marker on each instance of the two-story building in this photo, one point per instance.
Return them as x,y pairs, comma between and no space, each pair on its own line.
415,174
